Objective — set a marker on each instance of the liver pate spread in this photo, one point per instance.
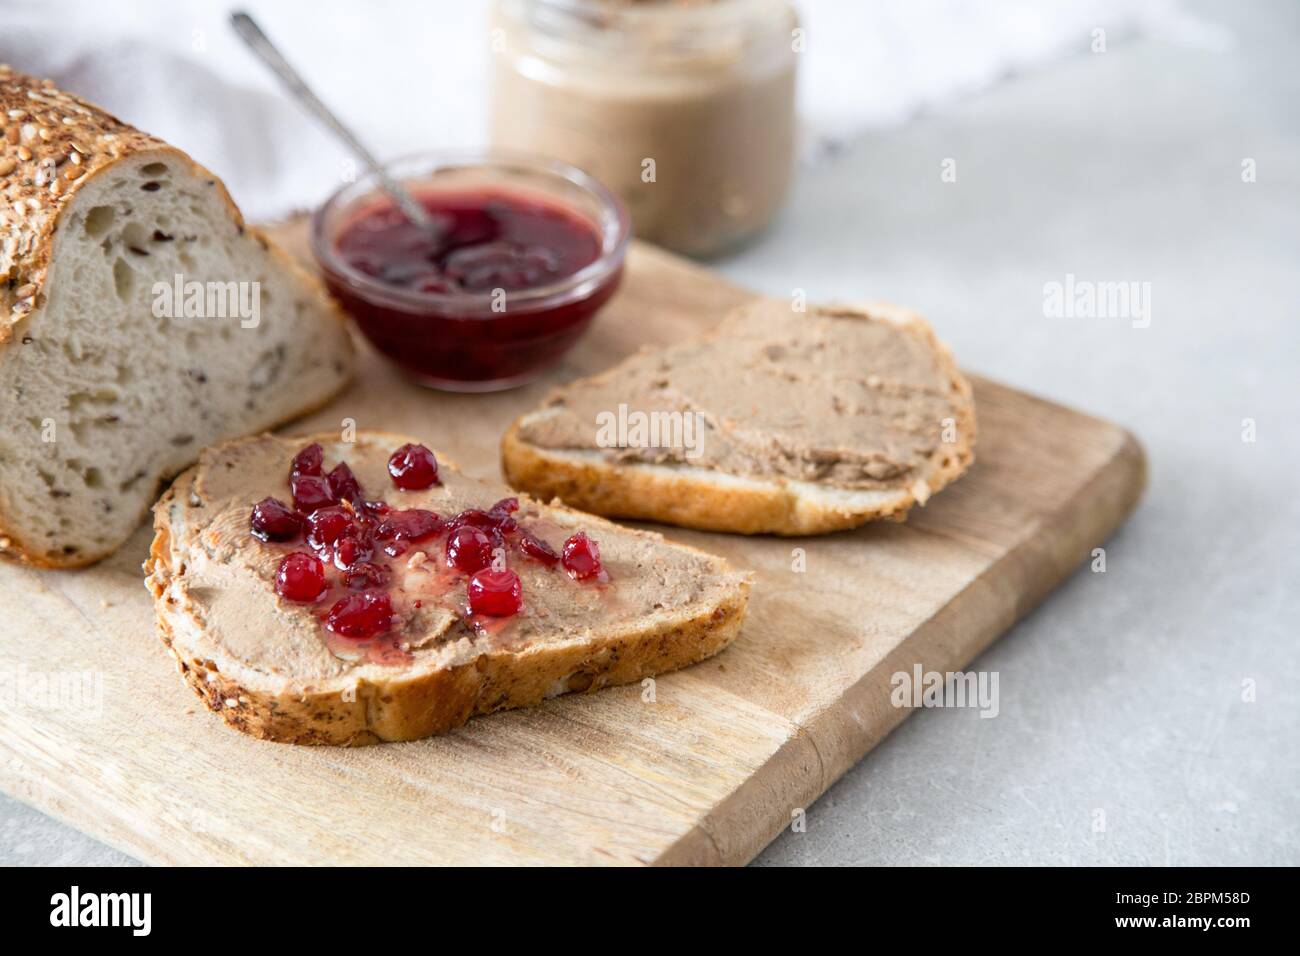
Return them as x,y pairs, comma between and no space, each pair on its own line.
227,588
855,398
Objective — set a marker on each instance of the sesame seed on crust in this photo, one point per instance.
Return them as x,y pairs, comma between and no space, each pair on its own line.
51,143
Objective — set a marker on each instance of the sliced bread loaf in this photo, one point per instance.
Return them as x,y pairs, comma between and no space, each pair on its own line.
283,665
140,320
779,421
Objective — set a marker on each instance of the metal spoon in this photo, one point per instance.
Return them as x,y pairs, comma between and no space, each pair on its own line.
260,44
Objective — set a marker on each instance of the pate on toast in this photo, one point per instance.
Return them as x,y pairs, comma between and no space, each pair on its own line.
630,605
778,422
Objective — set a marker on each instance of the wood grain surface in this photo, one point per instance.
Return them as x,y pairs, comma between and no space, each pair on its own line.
100,731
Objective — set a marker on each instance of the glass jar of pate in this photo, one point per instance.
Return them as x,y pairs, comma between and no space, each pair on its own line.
685,108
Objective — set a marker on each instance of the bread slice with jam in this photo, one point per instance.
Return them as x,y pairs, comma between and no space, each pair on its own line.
320,592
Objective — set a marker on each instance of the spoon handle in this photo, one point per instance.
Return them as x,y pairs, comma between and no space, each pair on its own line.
261,44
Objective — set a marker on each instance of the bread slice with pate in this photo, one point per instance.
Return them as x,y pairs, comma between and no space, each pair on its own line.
779,421
320,592
140,320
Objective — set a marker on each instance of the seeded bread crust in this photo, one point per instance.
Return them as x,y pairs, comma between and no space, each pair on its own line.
695,497
420,701
53,144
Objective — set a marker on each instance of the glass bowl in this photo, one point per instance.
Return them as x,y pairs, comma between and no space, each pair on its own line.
475,341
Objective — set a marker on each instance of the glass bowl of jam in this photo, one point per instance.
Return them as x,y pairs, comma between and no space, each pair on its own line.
523,253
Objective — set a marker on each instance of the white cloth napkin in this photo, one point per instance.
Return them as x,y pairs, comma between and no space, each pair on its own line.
409,76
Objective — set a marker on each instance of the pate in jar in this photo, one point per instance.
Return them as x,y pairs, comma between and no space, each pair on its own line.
685,108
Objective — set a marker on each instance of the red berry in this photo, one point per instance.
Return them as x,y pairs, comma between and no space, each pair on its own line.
311,492
472,517
469,549
350,549
301,577
326,525
361,615
413,467
307,461
396,548
495,593
582,557
412,524
492,521
272,520
345,486
365,575
537,549
502,513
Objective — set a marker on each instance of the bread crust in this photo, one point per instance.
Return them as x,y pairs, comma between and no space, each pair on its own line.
419,702
36,139
39,176
693,497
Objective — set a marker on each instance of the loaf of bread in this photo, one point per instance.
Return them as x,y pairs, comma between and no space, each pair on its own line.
140,320
270,665
780,421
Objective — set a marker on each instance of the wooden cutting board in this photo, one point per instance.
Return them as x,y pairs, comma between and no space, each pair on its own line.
708,772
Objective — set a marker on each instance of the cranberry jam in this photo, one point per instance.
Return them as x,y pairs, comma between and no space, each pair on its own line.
483,241
522,255
341,554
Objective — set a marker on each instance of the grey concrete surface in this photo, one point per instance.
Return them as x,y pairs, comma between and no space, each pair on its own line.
1159,698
